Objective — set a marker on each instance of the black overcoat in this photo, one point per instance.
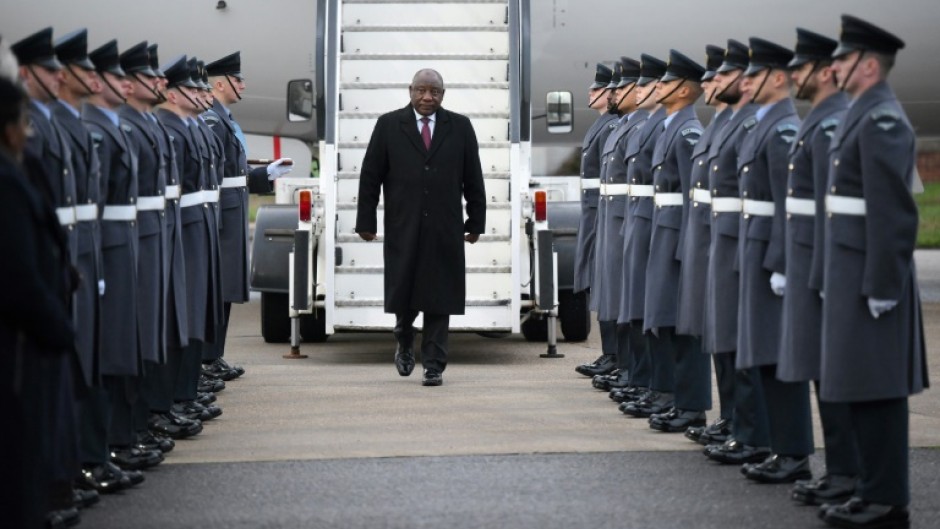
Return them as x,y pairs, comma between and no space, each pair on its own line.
762,168
801,334
872,256
721,284
587,226
424,224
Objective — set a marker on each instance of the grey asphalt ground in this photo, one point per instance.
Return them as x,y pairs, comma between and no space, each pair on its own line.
510,440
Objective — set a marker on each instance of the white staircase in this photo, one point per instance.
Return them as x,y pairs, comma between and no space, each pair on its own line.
376,47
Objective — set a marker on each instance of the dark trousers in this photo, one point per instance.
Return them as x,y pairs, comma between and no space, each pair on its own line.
608,337
187,379
624,355
96,412
433,337
216,350
662,362
841,448
788,414
881,431
124,395
693,377
724,377
159,383
641,370
749,424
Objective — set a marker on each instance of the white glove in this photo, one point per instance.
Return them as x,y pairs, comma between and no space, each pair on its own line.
277,168
778,282
877,307
101,288
822,295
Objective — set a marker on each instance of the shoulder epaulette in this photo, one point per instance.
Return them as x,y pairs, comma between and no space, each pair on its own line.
885,117
749,124
788,132
127,128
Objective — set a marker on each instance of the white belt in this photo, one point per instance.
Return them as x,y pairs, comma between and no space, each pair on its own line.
701,195
637,190
845,205
614,189
192,199
172,192
668,199
157,203
726,205
212,195
120,213
760,208
590,183
86,212
801,206
235,181
66,215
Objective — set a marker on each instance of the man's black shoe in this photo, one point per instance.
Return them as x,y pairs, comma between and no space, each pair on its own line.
677,420
63,518
173,426
655,402
602,366
106,479
404,360
737,453
860,514
779,469
716,433
85,498
213,385
205,398
131,458
148,441
432,378
827,489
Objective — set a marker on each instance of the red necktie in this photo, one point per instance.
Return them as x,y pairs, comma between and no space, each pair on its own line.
426,132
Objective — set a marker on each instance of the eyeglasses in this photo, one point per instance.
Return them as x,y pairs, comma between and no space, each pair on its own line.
424,90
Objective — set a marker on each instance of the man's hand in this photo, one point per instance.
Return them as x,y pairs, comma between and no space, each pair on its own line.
471,237
279,168
366,236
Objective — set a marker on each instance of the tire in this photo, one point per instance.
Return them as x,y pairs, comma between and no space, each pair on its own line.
575,315
313,327
535,329
275,320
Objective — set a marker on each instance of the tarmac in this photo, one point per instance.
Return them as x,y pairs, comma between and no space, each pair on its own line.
510,440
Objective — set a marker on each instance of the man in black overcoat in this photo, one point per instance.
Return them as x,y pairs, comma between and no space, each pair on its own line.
423,159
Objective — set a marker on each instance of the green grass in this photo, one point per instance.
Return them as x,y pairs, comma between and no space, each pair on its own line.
928,202
255,201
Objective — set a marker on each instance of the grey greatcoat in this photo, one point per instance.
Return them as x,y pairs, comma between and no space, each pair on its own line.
119,351
801,334
151,231
762,168
424,226
872,157
88,190
609,241
721,285
696,237
672,166
201,325
639,218
212,162
233,204
177,329
587,228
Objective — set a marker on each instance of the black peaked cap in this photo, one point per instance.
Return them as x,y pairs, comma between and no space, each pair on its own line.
177,73
767,55
736,57
858,34
629,71
602,76
36,49
73,49
714,56
106,59
136,59
812,47
228,65
651,69
154,60
682,67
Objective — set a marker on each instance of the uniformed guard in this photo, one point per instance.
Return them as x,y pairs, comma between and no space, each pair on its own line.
199,228
227,83
873,351
694,241
610,219
585,257
79,76
120,351
762,170
48,164
163,420
814,81
638,214
749,438
152,273
677,92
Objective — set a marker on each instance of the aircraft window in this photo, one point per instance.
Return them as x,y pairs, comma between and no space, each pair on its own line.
558,112
299,100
